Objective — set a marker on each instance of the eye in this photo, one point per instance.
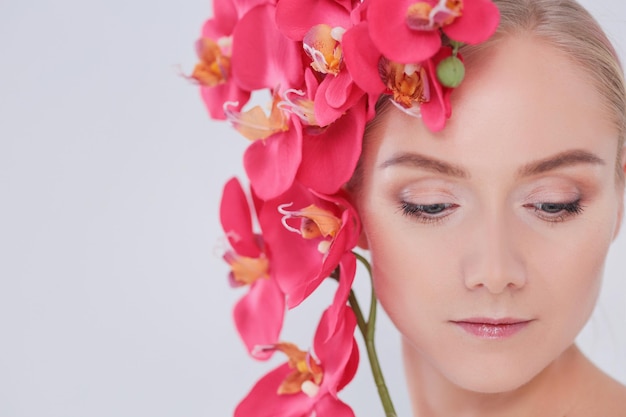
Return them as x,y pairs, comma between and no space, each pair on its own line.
427,213
557,212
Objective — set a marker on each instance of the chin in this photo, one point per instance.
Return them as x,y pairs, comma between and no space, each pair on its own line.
492,383
497,373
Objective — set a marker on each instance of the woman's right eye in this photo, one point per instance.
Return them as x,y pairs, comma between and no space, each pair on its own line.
427,213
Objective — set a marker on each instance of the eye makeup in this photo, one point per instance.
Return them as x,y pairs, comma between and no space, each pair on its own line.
557,212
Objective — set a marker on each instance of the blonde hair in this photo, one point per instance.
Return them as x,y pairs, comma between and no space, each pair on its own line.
570,28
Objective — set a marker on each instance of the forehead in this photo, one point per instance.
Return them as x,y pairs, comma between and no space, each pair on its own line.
522,100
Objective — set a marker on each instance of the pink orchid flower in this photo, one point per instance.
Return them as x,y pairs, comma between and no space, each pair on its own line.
304,149
407,31
250,266
213,72
320,26
415,89
308,234
309,382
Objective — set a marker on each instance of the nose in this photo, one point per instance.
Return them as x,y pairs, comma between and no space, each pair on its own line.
493,257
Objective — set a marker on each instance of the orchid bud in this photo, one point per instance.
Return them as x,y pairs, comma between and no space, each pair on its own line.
451,72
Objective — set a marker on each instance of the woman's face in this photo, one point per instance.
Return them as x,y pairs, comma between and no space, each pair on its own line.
488,239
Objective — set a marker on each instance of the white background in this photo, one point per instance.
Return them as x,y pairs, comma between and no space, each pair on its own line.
112,299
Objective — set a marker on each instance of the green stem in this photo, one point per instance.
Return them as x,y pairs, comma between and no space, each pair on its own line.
367,330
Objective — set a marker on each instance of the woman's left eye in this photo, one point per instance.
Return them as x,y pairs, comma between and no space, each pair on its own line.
557,212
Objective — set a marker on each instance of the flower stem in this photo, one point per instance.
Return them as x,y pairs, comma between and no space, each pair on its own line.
367,329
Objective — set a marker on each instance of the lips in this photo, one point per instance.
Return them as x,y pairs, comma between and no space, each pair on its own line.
490,328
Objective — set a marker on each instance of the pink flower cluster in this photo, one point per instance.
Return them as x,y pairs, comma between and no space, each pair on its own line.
325,64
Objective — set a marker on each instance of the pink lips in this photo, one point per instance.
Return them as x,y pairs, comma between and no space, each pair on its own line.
492,328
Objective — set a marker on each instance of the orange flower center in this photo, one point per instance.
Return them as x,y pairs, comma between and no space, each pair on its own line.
307,373
315,221
246,270
214,67
256,123
408,83
295,102
422,16
321,43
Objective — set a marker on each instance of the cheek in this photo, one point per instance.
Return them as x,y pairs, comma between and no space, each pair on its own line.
567,274
412,273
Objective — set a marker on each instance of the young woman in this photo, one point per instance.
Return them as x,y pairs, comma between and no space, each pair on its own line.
488,239
488,217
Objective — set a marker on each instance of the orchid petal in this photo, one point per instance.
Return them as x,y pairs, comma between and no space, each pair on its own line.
347,271
262,56
350,368
361,58
334,347
272,163
479,21
236,220
338,89
244,6
256,328
335,96
225,15
331,406
215,97
336,150
392,36
264,401
437,111
296,17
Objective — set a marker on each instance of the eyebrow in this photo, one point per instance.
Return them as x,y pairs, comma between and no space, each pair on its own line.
427,163
560,160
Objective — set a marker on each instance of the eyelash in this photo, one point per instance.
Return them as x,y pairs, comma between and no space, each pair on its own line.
419,211
560,211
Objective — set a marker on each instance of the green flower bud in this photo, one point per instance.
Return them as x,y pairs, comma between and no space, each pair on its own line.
451,72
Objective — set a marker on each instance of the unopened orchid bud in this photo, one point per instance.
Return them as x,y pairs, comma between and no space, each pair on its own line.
451,72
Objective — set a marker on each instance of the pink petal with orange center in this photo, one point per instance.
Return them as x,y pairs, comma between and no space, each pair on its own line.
263,399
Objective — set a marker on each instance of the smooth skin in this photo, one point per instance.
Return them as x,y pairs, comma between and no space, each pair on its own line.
508,213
